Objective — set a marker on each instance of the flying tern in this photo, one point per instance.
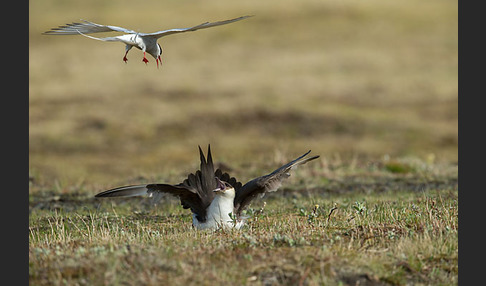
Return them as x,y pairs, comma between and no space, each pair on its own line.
147,42
216,199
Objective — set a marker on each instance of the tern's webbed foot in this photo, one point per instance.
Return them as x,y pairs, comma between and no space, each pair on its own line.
145,60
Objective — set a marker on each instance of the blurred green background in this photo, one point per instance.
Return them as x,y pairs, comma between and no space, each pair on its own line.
347,79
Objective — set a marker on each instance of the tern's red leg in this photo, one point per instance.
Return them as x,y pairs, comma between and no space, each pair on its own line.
158,60
125,57
144,59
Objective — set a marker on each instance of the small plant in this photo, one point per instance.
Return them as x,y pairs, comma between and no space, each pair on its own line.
398,167
279,239
314,214
302,212
360,208
311,216
232,217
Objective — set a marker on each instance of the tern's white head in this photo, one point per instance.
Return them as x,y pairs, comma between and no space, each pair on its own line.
156,53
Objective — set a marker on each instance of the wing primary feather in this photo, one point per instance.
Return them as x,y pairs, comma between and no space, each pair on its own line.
201,156
195,28
210,157
126,191
86,27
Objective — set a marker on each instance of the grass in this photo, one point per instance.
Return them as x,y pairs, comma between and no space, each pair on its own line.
364,224
371,86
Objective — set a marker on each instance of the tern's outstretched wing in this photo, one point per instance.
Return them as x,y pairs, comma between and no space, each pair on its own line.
198,27
267,183
86,27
